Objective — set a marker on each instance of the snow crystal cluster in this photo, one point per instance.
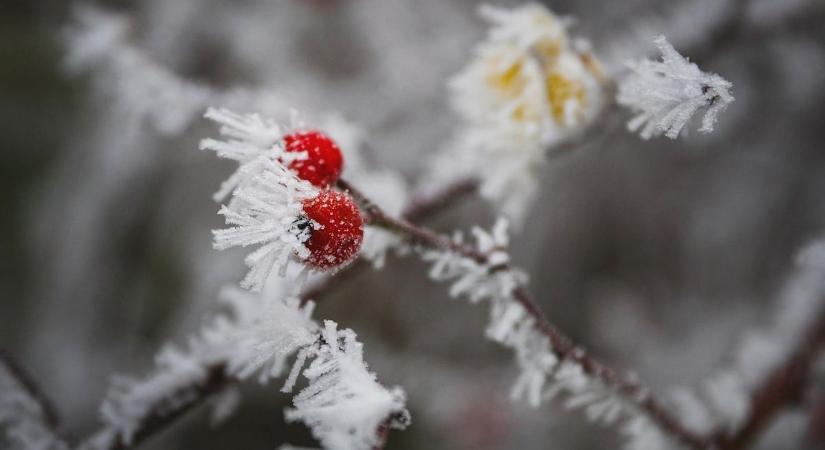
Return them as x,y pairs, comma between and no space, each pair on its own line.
528,87
666,94
267,197
542,376
343,403
22,418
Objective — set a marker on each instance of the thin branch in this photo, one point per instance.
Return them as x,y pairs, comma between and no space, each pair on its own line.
783,386
163,416
560,343
736,29
49,413
423,207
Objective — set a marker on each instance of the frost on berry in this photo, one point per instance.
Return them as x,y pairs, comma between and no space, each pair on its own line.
263,213
323,162
338,229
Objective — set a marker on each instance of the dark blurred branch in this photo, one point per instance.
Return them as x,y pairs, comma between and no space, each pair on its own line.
420,208
48,412
784,386
736,29
561,345
816,419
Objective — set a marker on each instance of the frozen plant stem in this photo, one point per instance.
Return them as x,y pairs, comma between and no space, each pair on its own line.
163,415
27,383
562,346
783,385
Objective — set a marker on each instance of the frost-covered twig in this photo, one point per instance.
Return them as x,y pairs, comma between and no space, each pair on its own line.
343,404
26,414
163,412
554,354
783,386
774,364
419,208
665,94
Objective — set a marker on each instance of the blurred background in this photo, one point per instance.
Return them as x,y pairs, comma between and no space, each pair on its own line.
655,255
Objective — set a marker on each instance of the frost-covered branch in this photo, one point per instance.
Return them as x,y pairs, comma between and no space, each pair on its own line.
550,362
665,94
783,386
165,407
773,364
26,414
258,336
213,376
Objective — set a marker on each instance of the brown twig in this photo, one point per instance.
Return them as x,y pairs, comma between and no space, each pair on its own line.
26,381
782,386
561,344
420,208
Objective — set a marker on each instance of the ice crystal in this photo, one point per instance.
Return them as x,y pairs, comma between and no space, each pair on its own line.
666,94
267,212
249,139
343,404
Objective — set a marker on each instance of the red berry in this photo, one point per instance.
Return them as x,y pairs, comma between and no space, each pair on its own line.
324,161
341,230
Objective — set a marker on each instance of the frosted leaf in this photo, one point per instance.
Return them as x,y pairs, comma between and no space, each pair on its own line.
343,404
666,94
527,88
130,400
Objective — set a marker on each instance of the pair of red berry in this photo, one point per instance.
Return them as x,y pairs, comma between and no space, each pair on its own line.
337,238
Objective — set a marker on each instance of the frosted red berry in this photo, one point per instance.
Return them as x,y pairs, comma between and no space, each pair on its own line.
337,237
324,161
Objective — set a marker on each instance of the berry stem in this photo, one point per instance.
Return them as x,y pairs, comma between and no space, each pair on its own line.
562,346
